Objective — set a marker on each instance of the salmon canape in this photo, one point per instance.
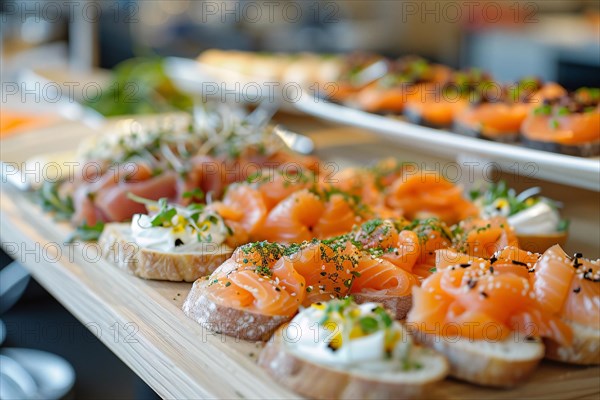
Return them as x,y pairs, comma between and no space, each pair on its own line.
390,93
569,288
499,117
569,125
437,104
348,351
485,316
353,77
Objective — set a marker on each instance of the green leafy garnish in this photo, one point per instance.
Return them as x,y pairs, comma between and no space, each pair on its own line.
368,324
545,109
50,200
385,316
195,193
164,215
563,225
499,191
139,86
87,233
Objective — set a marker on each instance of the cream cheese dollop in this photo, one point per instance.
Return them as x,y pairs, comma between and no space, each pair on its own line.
182,234
336,338
539,218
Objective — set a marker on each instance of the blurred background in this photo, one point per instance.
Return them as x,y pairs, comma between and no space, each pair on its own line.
555,40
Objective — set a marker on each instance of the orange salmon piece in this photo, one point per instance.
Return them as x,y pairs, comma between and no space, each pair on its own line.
293,219
243,204
326,267
483,238
423,195
337,218
569,288
376,274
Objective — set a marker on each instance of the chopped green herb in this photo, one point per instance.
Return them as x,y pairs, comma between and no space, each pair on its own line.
87,233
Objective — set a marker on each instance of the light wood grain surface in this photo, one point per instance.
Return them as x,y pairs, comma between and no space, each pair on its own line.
142,323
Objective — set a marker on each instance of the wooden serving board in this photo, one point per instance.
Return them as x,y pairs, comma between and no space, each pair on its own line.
142,322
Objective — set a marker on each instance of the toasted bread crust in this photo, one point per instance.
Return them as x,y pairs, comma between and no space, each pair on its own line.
322,382
585,349
398,305
151,264
240,324
471,131
470,361
589,149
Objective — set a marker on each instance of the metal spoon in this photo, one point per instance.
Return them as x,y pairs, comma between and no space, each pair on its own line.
299,143
372,73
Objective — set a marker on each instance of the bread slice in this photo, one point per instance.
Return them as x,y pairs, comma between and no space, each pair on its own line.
589,149
241,324
477,132
118,246
585,349
500,364
324,382
399,306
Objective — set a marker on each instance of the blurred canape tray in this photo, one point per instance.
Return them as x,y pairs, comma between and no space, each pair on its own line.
568,170
208,80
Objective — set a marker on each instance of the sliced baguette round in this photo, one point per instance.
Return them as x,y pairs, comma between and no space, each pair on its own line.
589,149
585,349
323,382
398,305
477,132
118,247
230,321
489,363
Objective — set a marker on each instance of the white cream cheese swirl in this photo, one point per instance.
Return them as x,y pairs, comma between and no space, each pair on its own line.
337,338
181,233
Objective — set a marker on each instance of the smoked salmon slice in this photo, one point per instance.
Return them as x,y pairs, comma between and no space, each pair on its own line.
327,267
244,205
276,186
569,287
380,275
276,279
292,220
251,279
484,237
428,194
482,304
339,216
